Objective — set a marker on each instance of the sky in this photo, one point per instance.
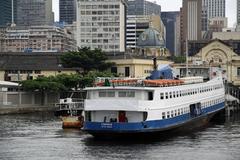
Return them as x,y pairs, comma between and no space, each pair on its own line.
174,5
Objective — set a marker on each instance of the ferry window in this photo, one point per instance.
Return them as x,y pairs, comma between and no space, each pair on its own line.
168,114
102,94
175,112
174,94
166,95
126,94
88,116
170,94
163,115
161,95
181,110
150,95
111,94
171,113
178,111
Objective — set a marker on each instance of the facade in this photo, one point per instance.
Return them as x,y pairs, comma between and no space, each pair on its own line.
34,12
169,20
67,11
212,9
226,35
192,13
177,47
136,24
195,47
204,15
21,66
219,54
143,7
217,24
134,67
37,39
5,12
238,15
102,24
216,8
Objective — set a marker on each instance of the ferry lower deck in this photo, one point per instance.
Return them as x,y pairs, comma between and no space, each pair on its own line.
183,122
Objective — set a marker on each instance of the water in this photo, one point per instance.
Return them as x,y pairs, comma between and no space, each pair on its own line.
40,136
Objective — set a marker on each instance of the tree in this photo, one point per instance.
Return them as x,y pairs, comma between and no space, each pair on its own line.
86,59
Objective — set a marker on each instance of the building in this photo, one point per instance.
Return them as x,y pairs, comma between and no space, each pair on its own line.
177,47
192,13
204,15
5,13
34,12
226,35
143,7
134,67
102,24
217,24
37,39
212,9
216,8
219,54
67,11
136,24
169,20
21,66
238,15
195,47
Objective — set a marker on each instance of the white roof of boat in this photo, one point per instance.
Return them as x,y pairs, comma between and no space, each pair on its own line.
7,83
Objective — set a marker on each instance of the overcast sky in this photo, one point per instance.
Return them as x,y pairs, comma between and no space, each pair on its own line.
174,5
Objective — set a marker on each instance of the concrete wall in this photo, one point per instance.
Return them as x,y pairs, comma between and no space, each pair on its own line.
24,99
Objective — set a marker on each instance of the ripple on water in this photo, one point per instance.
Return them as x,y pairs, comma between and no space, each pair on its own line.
40,136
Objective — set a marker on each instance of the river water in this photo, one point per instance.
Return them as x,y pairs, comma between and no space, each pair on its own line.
40,137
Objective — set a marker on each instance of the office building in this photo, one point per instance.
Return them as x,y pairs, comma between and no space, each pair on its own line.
5,12
169,20
67,11
37,39
102,25
216,8
34,12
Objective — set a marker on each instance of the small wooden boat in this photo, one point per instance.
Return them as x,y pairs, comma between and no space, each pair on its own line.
70,112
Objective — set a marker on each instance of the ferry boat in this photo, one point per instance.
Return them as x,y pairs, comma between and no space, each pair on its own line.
70,111
150,107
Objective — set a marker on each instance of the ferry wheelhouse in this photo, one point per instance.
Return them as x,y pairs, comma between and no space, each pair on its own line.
130,107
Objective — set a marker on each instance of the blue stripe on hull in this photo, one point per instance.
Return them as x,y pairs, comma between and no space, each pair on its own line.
148,126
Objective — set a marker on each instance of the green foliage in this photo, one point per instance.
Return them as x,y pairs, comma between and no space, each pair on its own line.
89,78
87,59
63,82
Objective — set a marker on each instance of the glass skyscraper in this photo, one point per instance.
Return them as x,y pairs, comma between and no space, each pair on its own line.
5,12
67,11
